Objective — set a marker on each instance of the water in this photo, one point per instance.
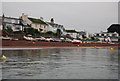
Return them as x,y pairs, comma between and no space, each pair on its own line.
61,63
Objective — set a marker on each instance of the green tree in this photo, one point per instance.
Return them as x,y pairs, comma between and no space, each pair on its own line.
31,31
9,30
51,33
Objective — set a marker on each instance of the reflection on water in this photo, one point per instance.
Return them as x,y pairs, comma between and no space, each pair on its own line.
61,63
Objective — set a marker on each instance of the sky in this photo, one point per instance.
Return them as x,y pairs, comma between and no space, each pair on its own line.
89,16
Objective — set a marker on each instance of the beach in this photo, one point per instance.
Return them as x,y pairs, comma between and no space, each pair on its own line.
38,44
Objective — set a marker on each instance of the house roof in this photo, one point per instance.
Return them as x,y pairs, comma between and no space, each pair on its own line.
12,23
114,28
38,21
53,24
71,31
12,18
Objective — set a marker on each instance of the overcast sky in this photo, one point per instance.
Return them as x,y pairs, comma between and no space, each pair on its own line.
89,16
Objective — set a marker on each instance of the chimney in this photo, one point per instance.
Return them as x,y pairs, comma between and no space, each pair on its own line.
41,18
24,16
52,20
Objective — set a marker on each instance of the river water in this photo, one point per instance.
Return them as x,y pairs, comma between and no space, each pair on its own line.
61,63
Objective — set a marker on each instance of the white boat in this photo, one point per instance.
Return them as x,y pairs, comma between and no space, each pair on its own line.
28,38
75,41
5,38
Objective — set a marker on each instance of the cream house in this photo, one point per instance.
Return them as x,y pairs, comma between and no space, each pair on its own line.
38,24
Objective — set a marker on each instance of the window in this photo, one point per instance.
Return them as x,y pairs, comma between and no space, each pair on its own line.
35,25
13,21
114,35
97,34
102,34
44,26
8,26
40,29
110,35
107,34
17,28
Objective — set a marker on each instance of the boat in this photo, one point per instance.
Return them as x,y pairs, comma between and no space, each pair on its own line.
74,41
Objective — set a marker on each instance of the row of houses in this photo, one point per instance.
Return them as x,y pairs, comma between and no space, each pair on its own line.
102,35
18,24
77,34
24,21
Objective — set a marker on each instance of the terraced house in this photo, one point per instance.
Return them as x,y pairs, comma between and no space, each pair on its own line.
35,23
56,28
72,33
113,36
13,23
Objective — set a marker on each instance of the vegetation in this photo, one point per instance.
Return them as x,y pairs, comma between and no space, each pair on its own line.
51,33
70,31
37,21
31,31
9,30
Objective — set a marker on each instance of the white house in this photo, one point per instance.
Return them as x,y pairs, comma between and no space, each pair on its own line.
13,23
80,34
72,33
54,27
113,36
